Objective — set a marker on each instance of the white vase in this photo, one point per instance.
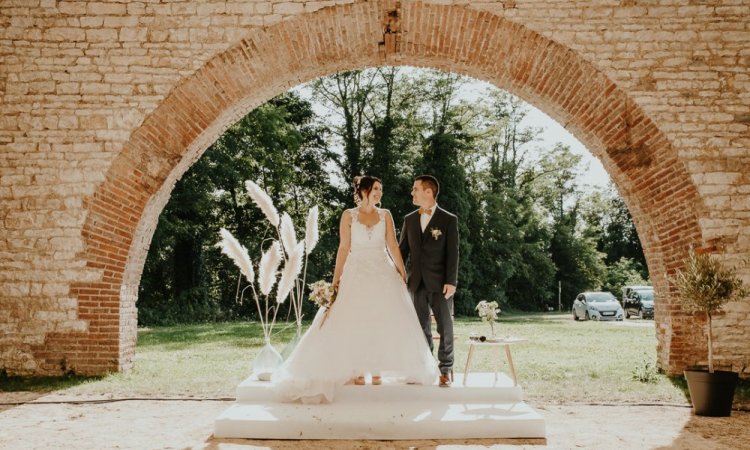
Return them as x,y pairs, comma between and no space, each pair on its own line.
266,361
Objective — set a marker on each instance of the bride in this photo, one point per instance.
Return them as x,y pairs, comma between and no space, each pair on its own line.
372,327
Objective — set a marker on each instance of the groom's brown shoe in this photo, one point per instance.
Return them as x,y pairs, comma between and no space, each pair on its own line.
445,380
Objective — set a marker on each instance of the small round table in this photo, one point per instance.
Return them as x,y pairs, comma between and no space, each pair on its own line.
496,342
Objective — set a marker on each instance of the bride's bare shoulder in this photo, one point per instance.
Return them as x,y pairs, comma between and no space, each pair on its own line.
348,213
384,212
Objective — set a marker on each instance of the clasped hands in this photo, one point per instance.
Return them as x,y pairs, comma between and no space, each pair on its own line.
448,289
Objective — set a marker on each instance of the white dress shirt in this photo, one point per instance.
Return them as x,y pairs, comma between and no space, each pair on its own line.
424,219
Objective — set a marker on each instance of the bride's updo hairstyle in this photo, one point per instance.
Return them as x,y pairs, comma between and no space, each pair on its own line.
363,186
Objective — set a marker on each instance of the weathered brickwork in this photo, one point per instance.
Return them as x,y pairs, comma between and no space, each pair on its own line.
105,105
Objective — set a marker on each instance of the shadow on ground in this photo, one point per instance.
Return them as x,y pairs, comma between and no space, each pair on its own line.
713,433
16,391
42,384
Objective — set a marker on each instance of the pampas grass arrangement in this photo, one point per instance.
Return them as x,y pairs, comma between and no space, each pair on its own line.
288,235
285,248
269,266
311,230
291,270
263,201
231,247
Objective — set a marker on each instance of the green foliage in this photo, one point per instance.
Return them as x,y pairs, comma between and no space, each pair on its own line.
185,278
645,371
579,265
525,223
706,284
608,221
622,273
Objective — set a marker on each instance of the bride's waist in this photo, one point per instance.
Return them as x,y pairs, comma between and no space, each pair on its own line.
368,258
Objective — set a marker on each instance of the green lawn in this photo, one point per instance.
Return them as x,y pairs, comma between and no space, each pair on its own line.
563,360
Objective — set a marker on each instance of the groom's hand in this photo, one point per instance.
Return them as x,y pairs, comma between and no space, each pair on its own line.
449,290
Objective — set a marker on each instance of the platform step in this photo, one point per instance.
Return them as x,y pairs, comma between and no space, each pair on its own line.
383,421
487,407
481,387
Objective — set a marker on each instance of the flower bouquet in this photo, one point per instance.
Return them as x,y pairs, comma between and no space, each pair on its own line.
324,295
488,312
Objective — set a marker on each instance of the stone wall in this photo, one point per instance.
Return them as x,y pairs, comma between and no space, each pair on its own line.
105,105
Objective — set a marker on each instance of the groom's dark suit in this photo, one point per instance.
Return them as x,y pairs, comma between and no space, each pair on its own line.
431,259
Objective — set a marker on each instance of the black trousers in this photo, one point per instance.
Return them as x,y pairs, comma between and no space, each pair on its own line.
426,301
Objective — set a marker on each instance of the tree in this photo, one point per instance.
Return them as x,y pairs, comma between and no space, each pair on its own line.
279,145
608,221
514,238
579,266
347,95
393,138
623,272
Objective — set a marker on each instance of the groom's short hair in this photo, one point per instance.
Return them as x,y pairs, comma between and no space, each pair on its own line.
428,181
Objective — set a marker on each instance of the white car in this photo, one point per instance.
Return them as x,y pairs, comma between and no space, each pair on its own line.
597,306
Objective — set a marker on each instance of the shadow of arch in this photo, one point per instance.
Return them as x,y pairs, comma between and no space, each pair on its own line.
124,210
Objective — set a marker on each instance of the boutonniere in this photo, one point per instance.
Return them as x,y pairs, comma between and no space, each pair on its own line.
436,233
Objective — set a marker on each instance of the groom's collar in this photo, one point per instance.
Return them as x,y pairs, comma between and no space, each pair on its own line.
434,208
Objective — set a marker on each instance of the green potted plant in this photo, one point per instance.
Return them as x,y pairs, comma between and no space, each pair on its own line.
705,285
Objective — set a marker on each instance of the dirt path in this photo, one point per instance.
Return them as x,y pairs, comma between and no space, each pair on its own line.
177,424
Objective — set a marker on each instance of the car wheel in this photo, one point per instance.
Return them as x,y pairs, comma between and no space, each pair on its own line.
587,316
575,316
627,314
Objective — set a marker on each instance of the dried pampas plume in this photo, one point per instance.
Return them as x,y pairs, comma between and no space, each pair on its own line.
311,231
231,247
291,270
288,236
269,265
263,201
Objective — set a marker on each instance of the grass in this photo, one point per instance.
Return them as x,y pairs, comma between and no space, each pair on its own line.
562,361
587,361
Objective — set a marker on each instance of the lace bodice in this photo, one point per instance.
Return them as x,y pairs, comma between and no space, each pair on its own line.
364,237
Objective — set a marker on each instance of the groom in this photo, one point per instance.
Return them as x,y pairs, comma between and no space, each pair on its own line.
429,242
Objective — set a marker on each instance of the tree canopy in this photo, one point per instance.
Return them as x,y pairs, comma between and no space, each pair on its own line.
526,224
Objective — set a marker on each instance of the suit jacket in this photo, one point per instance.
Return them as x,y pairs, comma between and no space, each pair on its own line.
430,257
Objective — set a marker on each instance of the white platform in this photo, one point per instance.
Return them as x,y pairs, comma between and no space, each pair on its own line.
482,409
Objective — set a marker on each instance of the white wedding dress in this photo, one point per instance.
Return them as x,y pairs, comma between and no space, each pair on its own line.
372,328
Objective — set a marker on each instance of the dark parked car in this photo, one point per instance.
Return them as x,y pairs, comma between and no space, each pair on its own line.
640,303
627,290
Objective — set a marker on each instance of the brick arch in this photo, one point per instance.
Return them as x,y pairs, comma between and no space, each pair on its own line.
124,210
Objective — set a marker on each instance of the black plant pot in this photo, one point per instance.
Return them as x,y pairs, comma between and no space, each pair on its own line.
711,393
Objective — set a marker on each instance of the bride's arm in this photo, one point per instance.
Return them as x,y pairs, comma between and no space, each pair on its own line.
390,242
345,242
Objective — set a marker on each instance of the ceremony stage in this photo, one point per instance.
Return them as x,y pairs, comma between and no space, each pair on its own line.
485,407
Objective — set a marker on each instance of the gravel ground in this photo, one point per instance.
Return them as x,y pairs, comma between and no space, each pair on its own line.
188,424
